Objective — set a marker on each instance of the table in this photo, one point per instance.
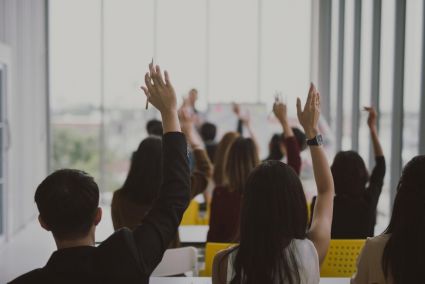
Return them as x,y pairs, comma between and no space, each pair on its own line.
193,235
207,280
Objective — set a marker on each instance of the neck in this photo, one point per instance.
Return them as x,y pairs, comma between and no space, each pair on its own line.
80,242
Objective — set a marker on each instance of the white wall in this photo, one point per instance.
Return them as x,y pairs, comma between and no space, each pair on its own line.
23,30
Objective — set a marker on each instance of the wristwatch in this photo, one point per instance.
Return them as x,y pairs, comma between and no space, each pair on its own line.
315,141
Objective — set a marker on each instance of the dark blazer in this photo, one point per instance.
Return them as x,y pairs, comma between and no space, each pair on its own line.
354,217
128,256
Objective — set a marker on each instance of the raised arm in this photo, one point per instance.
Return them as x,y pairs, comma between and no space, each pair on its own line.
203,166
376,180
371,122
159,227
320,230
292,147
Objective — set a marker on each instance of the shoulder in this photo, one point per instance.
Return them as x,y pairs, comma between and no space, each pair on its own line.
35,276
377,242
305,248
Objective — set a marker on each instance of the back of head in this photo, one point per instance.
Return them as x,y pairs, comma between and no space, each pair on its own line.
404,254
242,159
275,146
145,175
67,201
349,173
221,156
154,127
274,212
208,131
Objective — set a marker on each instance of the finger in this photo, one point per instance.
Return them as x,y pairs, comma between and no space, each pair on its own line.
299,111
310,94
318,100
159,76
148,82
151,69
167,78
146,91
313,99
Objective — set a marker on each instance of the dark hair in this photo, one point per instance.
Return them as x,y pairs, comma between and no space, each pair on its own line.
349,173
145,175
67,201
274,212
404,253
154,127
275,152
301,138
208,131
243,158
221,157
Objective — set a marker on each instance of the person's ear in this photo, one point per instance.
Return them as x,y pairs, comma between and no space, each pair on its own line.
42,223
98,216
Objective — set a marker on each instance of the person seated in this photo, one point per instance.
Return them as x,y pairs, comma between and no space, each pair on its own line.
357,195
226,199
68,203
208,132
274,244
398,255
154,127
287,143
133,201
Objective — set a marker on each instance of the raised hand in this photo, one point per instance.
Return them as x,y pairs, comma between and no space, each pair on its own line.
280,111
236,109
187,122
160,93
309,116
371,120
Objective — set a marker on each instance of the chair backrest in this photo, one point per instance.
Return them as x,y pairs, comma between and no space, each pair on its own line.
341,258
191,215
178,261
211,249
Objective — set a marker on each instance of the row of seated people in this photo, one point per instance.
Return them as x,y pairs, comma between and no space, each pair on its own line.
287,248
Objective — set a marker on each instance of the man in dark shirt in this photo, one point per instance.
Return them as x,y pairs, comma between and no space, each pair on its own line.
68,204
208,132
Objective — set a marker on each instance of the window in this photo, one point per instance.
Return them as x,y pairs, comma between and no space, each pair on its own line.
3,128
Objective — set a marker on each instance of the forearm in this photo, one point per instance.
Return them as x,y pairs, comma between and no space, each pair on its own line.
170,122
322,172
377,148
287,130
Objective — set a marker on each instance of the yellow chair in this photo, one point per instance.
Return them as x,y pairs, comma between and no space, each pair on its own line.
341,258
211,249
191,215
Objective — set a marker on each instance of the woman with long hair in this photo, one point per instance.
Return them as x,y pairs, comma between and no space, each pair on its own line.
398,255
357,194
141,188
226,200
275,246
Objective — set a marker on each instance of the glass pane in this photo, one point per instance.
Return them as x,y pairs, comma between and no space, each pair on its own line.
129,47
74,49
412,79
233,47
348,74
365,77
2,89
1,210
386,95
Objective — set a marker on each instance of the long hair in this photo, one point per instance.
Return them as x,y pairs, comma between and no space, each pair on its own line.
145,175
221,156
242,159
404,254
349,173
275,144
274,212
